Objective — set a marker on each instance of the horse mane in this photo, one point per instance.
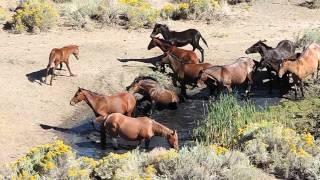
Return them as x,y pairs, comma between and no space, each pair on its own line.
91,92
264,44
140,78
160,129
71,46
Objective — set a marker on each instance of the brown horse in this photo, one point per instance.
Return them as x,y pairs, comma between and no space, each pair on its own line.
186,55
305,65
184,73
156,93
226,76
138,129
103,106
59,56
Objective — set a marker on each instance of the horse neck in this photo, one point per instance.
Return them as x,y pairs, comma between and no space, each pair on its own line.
91,99
292,66
160,130
164,47
174,64
165,33
262,50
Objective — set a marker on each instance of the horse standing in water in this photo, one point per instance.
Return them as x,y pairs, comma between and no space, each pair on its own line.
156,93
179,39
184,73
138,129
59,56
103,106
271,57
305,65
226,76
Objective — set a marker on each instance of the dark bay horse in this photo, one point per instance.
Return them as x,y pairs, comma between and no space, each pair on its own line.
226,76
156,93
138,129
103,106
305,65
59,56
184,73
284,49
179,39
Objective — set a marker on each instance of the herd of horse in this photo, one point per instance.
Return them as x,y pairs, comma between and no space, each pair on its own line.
115,114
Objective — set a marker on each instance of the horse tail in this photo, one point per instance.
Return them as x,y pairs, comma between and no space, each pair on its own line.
205,42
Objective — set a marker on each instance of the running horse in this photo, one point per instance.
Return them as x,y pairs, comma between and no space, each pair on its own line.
154,92
138,129
59,56
103,106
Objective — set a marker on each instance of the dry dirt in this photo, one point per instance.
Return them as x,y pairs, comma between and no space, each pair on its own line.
25,104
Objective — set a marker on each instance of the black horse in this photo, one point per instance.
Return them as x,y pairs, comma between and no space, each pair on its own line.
272,57
190,36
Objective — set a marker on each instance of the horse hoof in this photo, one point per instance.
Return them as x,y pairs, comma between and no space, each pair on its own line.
73,75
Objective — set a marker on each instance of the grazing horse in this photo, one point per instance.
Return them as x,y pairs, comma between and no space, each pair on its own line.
138,129
156,93
184,73
103,106
179,39
226,76
306,64
59,56
270,55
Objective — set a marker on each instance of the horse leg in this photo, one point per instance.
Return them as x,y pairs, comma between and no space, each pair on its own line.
103,137
47,73
301,88
115,143
71,74
153,104
147,143
295,91
271,80
53,73
202,52
60,66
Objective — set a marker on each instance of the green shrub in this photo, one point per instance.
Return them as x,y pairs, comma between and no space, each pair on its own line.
308,37
35,14
282,151
225,117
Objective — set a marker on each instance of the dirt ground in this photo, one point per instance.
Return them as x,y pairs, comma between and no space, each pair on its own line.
25,103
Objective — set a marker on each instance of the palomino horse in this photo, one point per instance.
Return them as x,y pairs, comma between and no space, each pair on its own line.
138,129
59,56
103,106
271,57
178,39
156,93
303,66
228,75
184,73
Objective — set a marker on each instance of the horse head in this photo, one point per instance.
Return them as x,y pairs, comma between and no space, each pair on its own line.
152,43
173,140
78,97
283,67
76,52
255,47
159,28
202,78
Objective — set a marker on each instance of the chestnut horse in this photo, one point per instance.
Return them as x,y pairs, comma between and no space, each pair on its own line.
103,106
156,93
184,73
303,66
226,76
59,56
138,129
187,55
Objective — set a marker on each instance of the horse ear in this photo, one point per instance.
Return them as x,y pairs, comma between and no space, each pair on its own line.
264,40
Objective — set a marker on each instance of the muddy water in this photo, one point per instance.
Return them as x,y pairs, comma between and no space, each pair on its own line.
78,130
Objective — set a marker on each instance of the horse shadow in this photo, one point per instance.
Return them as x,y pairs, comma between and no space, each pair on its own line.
152,60
37,76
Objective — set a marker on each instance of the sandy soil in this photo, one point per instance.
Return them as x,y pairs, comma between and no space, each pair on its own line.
25,104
